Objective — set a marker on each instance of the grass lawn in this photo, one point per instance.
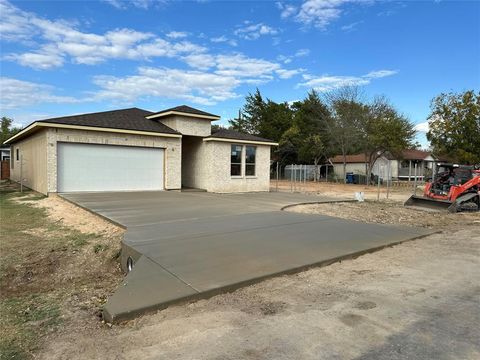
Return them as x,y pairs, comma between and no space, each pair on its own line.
51,276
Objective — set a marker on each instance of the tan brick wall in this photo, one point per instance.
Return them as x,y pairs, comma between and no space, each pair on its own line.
33,151
219,179
172,146
188,126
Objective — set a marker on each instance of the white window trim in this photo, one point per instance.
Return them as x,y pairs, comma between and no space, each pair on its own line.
254,164
243,165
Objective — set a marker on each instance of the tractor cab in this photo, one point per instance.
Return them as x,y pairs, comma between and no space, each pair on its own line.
445,176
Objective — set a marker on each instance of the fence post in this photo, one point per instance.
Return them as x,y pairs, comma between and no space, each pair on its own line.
277,178
389,177
378,186
415,181
291,178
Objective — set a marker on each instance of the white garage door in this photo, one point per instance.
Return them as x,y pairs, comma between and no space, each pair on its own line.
89,167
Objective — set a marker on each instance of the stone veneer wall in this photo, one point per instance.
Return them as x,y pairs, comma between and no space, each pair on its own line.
172,146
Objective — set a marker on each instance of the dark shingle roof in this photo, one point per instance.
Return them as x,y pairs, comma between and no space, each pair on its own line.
125,119
235,135
185,109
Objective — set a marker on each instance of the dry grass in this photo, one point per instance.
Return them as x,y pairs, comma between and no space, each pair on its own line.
52,276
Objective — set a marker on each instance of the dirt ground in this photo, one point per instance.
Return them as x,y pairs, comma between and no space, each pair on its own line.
391,212
58,265
420,299
396,193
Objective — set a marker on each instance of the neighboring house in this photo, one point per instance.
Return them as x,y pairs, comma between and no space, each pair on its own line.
4,163
134,149
4,153
400,168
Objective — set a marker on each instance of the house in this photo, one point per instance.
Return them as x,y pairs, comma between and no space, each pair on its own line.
401,167
134,149
4,163
4,153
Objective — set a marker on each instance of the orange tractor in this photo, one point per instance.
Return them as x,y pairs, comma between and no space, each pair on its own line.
453,187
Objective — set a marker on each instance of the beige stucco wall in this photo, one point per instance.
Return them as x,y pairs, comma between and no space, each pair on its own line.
218,164
172,146
33,152
188,125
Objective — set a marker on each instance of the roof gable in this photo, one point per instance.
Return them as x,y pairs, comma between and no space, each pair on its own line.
184,110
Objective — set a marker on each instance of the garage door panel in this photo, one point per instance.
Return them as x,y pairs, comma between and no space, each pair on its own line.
90,167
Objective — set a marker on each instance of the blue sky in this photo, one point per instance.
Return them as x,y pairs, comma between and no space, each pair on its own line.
67,57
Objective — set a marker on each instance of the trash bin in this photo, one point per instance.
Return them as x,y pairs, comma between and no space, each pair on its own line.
349,178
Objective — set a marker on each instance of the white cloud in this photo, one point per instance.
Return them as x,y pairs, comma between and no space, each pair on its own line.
177,34
61,40
141,4
239,65
17,93
254,31
287,74
380,73
38,60
224,39
351,27
214,79
422,127
329,82
200,61
302,52
286,10
195,86
318,13
288,59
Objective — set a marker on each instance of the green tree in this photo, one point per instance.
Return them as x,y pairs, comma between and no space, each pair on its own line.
264,118
7,130
251,115
307,140
384,130
349,114
454,124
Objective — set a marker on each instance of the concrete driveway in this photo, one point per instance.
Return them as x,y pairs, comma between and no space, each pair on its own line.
193,244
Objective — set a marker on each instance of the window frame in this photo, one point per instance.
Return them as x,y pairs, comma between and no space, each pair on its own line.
237,163
254,164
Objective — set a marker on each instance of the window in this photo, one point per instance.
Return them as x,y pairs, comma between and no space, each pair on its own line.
11,153
18,154
236,160
250,160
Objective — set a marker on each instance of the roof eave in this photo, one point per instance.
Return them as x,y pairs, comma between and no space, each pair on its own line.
240,141
37,125
181,113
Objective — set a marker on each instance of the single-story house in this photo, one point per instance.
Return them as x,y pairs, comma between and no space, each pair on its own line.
4,153
401,167
4,163
134,149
